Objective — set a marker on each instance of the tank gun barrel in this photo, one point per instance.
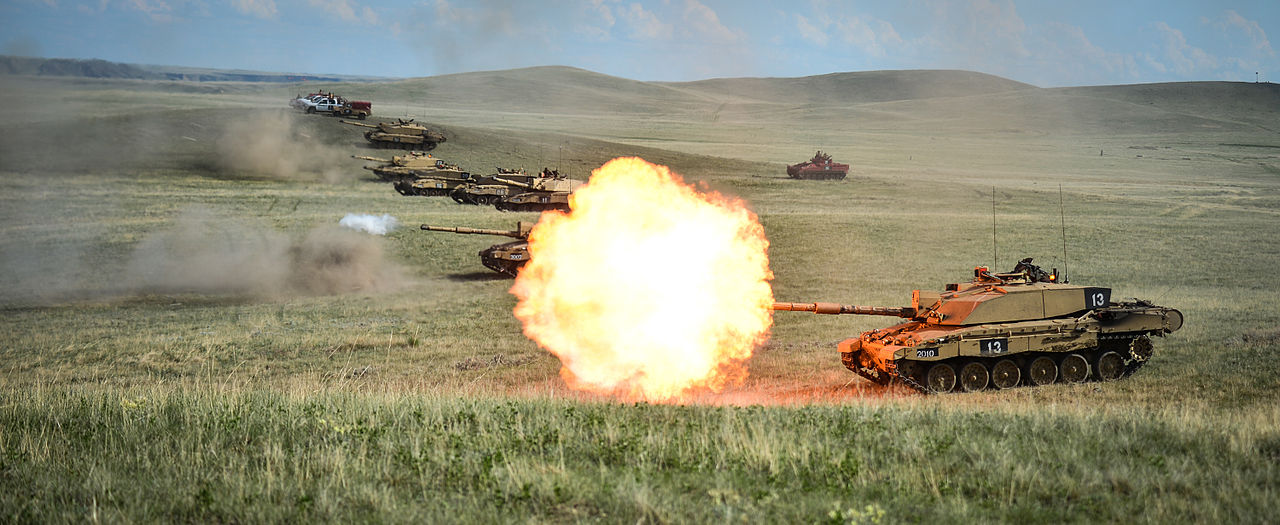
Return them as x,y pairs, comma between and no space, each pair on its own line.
838,309
477,231
512,182
374,159
357,124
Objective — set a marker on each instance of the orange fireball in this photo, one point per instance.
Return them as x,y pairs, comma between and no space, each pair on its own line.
648,289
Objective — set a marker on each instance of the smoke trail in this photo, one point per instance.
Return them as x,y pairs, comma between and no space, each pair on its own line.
369,223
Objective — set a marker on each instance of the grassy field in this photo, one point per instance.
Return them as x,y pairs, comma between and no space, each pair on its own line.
260,394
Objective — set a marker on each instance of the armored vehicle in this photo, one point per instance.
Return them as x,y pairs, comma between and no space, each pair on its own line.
549,191
354,108
400,134
820,167
1001,330
412,166
506,258
488,190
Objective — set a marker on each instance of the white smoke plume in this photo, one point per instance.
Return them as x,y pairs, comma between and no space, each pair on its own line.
376,225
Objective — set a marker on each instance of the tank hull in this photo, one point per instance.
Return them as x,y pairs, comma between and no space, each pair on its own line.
534,201
507,258
820,167
1103,344
382,139
810,172
479,194
428,186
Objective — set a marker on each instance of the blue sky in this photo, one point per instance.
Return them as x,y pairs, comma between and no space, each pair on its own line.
1046,43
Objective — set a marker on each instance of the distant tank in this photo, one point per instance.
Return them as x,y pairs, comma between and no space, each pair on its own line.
1003,330
412,166
820,167
403,133
548,191
506,258
488,190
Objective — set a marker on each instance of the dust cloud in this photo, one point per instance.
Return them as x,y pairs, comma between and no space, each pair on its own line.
273,146
205,253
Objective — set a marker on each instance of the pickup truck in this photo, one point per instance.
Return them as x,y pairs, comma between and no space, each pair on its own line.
321,103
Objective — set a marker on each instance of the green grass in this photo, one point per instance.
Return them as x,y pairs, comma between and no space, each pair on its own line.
426,403
261,456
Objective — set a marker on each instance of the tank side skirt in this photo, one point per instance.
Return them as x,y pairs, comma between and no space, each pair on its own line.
1117,342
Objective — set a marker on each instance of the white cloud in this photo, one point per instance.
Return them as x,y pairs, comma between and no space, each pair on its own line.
703,22
259,8
1184,58
596,20
858,31
347,10
810,32
644,23
1065,55
1232,24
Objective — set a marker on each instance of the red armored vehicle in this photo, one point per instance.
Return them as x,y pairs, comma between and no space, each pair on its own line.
820,167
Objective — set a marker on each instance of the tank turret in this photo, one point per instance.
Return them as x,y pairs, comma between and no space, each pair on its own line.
506,258
1003,330
548,191
403,133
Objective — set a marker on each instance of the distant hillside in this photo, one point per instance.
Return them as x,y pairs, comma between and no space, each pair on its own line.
552,89
67,67
546,89
1240,102
854,88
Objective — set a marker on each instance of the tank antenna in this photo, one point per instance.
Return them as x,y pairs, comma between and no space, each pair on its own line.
1062,213
994,259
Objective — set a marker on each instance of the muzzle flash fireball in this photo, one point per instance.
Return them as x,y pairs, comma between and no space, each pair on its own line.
647,289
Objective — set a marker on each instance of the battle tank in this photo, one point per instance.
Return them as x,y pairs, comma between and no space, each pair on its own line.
412,166
549,191
403,133
1001,330
488,190
820,167
506,258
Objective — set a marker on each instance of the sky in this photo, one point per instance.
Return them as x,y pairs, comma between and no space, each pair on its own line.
1045,43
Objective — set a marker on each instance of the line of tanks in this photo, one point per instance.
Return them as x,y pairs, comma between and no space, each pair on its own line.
421,174
418,173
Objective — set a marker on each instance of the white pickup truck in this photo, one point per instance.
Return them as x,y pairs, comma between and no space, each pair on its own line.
321,103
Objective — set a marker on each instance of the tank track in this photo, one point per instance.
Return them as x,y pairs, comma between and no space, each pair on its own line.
1136,353
881,378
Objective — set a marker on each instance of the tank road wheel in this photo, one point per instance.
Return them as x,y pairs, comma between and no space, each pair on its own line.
1110,366
1075,369
1140,349
974,377
1005,374
941,378
1042,371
